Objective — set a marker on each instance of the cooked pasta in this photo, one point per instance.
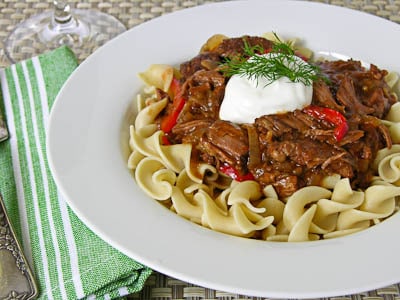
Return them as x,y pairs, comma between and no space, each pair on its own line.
202,194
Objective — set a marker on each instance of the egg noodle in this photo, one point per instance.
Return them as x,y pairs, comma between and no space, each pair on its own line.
205,196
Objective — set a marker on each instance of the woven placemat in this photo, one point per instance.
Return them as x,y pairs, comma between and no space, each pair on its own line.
134,12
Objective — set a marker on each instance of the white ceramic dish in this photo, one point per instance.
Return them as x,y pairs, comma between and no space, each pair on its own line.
84,147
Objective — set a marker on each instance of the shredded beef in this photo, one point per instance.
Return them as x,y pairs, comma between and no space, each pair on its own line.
203,61
367,88
232,144
204,92
322,96
294,149
235,46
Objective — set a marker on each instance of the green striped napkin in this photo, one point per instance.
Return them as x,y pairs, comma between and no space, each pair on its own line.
69,260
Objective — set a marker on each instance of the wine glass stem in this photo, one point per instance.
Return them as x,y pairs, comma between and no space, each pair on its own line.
62,12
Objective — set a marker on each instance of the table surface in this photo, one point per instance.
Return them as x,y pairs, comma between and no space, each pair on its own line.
134,12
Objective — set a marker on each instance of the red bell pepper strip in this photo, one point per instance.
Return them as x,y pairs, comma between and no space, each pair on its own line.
165,140
332,116
175,86
169,121
234,174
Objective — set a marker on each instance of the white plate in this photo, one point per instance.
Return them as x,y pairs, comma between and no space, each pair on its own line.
84,147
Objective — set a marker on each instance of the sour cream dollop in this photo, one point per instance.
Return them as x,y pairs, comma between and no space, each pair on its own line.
247,99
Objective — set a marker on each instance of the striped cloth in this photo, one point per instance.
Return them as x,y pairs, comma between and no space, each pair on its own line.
69,260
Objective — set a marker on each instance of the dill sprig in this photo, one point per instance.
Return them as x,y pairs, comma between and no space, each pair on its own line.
281,62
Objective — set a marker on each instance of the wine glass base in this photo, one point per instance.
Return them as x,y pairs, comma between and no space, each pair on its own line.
88,31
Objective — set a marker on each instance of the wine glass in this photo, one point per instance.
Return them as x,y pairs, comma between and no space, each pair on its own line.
83,30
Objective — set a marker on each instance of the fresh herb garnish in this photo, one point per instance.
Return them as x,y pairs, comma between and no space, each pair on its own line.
281,62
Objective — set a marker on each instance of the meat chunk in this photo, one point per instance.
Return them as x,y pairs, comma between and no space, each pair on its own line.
359,89
235,46
204,92
295,144
204,61
322,96
228,143
346,95
190,132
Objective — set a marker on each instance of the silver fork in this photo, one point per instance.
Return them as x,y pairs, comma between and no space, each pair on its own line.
16,278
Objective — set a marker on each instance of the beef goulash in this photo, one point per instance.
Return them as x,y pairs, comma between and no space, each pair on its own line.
339,133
